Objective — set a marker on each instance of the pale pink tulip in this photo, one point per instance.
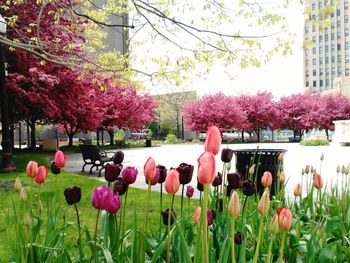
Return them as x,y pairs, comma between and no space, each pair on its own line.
32,169
206,168
149,169
172,181
213,140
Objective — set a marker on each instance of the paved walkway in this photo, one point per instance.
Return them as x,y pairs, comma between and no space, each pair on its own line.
172,155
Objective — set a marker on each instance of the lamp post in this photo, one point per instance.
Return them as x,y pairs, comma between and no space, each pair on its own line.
7,164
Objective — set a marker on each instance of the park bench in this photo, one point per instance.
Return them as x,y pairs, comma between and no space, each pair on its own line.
92,155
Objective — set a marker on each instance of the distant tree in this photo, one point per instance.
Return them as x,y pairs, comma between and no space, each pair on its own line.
218,109
259,111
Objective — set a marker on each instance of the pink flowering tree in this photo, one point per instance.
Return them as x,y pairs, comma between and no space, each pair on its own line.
218,109
259,111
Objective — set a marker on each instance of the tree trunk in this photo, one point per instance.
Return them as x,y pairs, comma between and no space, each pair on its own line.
111,136
32,134
258,134
12,136
98,138
70,139
242,136
327,134
28,134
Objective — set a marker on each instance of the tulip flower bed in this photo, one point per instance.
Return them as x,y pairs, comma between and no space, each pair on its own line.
231,222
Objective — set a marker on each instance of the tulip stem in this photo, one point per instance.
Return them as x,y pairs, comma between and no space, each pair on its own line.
95,236
182,198
124,209
224,186
268,260
168,239
79,239
146,220
280,259
257,249
161,210
233,256
205,223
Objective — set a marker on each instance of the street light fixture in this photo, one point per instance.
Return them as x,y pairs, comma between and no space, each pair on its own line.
7,164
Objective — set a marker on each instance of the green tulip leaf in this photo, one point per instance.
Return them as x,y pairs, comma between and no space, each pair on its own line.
329,253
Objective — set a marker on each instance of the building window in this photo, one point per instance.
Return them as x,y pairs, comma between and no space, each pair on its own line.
306,84
314,62
326,48
314,39
321,61
314,84
339,47
347,45
346,32
306,52
320,38
327,71
339,35
333,47
347,72
321,72
338,12
346,19
320,49
306,62
321,83
319,4
333,59
333,70
338,23
339,58
332,36
327,60
314,50
314,72
313,6
346,58
326,37
306,29
306,73
327,82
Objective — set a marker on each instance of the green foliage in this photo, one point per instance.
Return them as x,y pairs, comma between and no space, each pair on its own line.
171,138
314,142
119,135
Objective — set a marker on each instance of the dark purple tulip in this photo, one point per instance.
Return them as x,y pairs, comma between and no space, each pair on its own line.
210,217
120,186
118,157
129,175
213,213
189,191
186,171
238,238
112,172
165,216
162,173
235,180
226,155
155,179
248,188
217,180
55,169
72,195
199,186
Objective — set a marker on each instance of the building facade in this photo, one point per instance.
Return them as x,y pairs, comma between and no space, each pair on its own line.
327,48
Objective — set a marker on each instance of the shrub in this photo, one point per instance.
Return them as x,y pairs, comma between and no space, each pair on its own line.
171,138
315,142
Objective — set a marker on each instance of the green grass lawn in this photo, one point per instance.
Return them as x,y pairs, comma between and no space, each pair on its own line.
54,186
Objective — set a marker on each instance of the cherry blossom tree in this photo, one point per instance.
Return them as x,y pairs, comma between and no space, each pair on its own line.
218,109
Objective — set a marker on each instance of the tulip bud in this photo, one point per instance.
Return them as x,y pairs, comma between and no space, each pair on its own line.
23,195
274,226
32,169
226,155
285,219
251,170
346,170
72,195
266,179
129,175
228,166
248,188
18,184
322,157
189,191
172,182
199,186
297,190
234,206
213,140
281,157
210,216
149,168
197,215
27,220
302,171
238,238
281,177
206,168
307,169
118,157
55,169
42,174
162,173
338,169
235,180
120,186
185,172
217,180
264,204
60,159
312,170
165,216
343,169
112,172
318,182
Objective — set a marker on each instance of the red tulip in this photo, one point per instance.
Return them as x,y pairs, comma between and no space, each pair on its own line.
60,159
149,168
318,182
266,179
285,218
32,169
206,168
213,140
172,181
42,174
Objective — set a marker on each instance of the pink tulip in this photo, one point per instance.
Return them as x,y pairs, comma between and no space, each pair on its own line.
60,159
197,215
206,168
213,140
285,218
281,157
155,179
100,196
113,204
318,182
172,181
149,168
32,169
297,190
129,175
41,175
266,179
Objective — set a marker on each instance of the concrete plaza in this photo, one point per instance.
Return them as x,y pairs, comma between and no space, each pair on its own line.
296,158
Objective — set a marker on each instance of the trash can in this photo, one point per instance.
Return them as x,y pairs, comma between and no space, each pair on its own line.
148,143
268,160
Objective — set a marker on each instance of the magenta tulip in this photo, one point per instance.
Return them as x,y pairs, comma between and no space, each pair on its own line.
60,159
189,191
113,204
129,175
42,174
206,168
213,140
100,196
